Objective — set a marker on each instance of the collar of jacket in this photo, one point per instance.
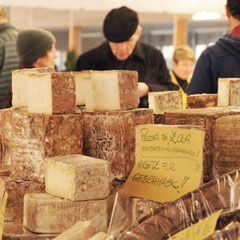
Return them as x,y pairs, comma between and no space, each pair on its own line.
107,53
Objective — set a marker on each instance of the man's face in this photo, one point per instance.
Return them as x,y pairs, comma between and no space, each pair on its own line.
124,49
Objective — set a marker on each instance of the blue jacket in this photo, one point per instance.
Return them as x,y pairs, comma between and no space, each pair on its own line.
221,60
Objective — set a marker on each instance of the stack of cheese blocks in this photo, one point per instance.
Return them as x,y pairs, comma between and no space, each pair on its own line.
43,126
111,100
34,129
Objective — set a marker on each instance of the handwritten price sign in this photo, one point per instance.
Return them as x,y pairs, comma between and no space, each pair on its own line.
168,162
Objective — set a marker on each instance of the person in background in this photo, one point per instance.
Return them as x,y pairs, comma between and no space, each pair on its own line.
221,60
8,55
124,51
182,68
35,48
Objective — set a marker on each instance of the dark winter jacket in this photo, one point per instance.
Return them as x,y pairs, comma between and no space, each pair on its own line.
145,59
221,60
8,58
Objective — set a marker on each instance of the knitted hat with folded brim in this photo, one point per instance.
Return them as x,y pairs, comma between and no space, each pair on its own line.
120,24
33,44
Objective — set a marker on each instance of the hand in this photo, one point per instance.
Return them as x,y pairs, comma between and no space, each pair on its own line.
143,89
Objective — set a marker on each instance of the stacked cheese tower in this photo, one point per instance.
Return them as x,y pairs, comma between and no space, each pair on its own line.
38,126
44,125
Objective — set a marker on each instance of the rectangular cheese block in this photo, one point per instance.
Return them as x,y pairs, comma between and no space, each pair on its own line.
99,236
51,93
83,86
29,138
81,230
16,190
228,92
77,177
202,100
160,101
205,117
113,90
44,213
111,136
20,85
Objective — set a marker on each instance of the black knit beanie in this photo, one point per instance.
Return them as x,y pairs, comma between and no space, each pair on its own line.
33,44
120,24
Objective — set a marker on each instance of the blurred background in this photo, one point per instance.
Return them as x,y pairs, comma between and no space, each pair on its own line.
77,24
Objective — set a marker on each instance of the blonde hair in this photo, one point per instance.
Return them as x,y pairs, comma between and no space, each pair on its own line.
183,52
3,15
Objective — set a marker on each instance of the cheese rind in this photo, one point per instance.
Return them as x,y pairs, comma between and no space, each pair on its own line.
51,93
20,85
44,213
81,230
228,92
111,136
113,90
160,101
29,138
77,177
16,190
202,100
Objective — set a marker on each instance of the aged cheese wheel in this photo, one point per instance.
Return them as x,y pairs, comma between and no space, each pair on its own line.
51,93
20,85
228,92
44,213
160,101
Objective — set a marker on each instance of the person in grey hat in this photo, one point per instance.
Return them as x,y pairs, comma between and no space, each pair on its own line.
220,60
124,51
35,48
8,55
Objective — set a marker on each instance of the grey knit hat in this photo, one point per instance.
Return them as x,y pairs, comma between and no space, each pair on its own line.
33,43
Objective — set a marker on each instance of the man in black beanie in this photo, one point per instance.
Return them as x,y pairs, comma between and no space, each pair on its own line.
220,60
124,51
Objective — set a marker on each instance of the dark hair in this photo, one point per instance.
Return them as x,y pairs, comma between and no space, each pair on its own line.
234,8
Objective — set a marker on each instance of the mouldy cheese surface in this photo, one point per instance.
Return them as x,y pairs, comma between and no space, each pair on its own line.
202,100
44,213
228,92
51,93
16,190
81,230
77,177
29,138
20,85
160,101
113,90
111,136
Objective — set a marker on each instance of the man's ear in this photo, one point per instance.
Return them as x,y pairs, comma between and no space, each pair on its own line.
139,32
228,14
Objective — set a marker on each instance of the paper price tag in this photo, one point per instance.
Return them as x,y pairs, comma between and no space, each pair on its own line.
168,162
